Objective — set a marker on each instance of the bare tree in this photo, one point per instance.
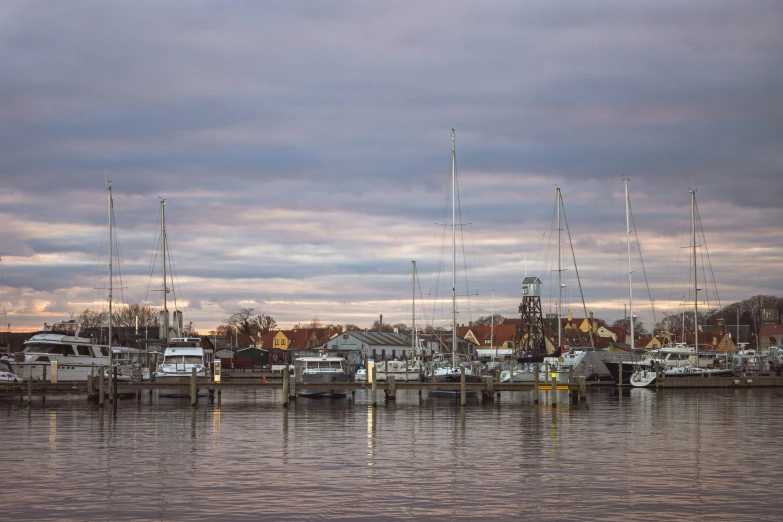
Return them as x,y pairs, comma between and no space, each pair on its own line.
315,323
376,326
126,316
265,324
243,321
91,319
638,326
352,328
402,328
487,320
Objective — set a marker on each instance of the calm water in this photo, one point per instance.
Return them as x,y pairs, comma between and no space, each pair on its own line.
645,455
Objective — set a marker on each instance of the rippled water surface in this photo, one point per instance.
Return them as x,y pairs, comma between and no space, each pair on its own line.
643,455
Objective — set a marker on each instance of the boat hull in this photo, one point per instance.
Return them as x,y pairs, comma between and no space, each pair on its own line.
307,385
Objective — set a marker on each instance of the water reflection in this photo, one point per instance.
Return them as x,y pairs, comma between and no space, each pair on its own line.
372,418
655,455
52,430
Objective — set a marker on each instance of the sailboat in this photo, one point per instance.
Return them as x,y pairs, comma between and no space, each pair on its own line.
183,353
452,371
685,358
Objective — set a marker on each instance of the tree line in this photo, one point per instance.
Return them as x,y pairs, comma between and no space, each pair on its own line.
123,316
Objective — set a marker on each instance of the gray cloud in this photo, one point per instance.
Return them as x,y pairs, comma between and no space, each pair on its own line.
304,153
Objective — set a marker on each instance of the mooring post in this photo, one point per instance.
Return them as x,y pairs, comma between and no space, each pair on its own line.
620,374
30,389
114,387
391,389
582,387
489,393
101,394
537,369
286,385
374,387
89,386
462,394
553,379
193,389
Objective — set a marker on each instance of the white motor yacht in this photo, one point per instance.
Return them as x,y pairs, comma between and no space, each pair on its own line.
77,356
312,371
182,355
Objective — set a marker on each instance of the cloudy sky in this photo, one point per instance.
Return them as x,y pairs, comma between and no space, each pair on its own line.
303,148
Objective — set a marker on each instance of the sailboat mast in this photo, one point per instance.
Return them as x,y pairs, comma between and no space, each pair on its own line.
163,247
414,340
630,273
559,273
111,273
453,251
695,272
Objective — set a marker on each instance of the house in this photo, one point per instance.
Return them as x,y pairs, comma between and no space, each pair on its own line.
770,335
359,347
501,336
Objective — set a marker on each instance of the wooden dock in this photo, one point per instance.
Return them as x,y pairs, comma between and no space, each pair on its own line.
99,390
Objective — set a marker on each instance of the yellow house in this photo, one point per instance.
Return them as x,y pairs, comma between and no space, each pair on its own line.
281,342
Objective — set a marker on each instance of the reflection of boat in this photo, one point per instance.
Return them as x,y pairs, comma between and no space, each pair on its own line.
182,356
312,371
77,356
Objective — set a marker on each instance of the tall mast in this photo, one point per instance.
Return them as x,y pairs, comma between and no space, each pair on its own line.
414,337
628,241
559,273
492,327
163,247
695,271
111,268
453,252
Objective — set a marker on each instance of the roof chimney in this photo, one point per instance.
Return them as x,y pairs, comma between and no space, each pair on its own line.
380,327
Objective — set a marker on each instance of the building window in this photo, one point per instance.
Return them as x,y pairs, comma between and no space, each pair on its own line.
345,336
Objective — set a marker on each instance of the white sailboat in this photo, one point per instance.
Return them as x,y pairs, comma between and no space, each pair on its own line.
452,371
183,354
681,360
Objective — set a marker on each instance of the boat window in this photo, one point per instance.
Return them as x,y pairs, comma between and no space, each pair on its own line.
83,350
192,359
48,348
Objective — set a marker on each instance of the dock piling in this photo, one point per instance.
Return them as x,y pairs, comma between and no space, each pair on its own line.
286,386
193,388
537,377
462,391
101,393
374,386
391,389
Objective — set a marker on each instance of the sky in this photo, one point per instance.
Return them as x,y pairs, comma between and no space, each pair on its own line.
303,149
